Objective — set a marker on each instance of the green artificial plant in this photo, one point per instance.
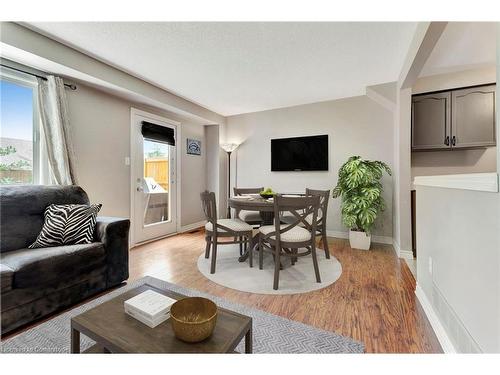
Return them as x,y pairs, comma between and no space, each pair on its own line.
361,191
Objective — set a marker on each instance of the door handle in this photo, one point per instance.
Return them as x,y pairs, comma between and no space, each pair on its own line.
453,141
447,140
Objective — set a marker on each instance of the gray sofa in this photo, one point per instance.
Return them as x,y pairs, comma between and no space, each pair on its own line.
37,282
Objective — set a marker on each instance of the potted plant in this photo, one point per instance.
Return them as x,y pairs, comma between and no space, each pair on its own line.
360,188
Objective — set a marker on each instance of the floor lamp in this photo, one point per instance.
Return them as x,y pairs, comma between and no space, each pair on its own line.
229,148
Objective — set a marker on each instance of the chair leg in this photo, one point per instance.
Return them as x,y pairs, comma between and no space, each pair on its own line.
240,239
277,265
315,262
214,257
261,254
250,257
324,240
207,248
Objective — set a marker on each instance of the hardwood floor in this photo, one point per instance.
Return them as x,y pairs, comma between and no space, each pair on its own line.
373,301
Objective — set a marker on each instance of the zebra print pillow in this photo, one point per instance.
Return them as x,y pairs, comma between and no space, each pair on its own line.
67,224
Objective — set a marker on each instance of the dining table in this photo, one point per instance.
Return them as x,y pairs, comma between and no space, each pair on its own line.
254,202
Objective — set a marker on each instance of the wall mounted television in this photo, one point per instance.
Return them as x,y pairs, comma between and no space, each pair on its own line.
300,154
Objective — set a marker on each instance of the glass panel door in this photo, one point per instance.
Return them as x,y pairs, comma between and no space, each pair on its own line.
154,188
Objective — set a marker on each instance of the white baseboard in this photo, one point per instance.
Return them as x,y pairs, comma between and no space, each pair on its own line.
396,247
401,253
378,239
337,234
190,227
406,254
438,328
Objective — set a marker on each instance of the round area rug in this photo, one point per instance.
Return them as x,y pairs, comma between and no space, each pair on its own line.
293,279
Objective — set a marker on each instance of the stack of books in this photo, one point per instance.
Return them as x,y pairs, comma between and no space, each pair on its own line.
149,307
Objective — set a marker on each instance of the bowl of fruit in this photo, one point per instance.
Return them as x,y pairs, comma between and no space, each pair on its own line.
267,193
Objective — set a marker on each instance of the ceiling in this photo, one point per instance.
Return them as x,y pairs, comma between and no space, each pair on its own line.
462,46
234,68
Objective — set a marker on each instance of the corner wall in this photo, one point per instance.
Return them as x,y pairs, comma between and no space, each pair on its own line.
100,125
356,126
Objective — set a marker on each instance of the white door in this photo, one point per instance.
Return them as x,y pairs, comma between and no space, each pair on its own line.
153,174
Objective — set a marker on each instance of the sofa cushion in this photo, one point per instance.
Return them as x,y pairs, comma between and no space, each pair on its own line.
46,266
6,274
22,208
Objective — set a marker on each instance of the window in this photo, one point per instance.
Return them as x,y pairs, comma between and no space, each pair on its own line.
156,177
20,147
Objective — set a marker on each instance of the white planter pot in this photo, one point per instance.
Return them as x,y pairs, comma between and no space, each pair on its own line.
359,240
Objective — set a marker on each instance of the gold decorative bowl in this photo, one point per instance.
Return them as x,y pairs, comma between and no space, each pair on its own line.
193,318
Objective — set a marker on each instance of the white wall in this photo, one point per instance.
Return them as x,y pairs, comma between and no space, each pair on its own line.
193,175
100,124
454,162
356,126
458,161
402,174
215,175
459,230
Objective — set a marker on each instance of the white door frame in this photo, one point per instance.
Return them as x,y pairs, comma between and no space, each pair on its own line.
133,158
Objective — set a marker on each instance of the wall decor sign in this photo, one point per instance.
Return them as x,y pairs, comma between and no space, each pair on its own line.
193,147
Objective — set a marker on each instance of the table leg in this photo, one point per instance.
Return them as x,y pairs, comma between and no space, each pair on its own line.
248,341
267,217
75,341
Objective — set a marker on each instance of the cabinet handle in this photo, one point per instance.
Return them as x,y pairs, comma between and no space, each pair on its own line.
447,140
453,141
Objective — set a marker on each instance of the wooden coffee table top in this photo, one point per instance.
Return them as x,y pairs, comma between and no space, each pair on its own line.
117,332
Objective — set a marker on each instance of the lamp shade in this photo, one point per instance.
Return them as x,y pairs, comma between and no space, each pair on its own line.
229,147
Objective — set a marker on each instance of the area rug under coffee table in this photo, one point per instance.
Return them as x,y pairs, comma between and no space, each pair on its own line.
271,333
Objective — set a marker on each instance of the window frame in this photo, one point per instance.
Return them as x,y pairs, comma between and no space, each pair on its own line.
40,165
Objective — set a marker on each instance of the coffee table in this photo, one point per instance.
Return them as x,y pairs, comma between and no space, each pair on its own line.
114,331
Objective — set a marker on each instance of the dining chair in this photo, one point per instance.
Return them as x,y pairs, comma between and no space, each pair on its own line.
250,217
324,196
289,239
216,228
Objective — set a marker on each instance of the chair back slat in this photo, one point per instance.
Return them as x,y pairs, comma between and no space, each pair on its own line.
300,208
323,203
209,206
241,191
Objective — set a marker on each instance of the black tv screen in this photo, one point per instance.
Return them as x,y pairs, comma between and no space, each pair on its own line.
300,154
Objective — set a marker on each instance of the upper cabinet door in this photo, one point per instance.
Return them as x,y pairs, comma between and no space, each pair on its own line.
431,121
473,117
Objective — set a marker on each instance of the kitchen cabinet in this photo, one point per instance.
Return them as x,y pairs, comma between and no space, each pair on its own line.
454,119
431,121
473,117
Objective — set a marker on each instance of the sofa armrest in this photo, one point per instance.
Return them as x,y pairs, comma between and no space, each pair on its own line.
113,233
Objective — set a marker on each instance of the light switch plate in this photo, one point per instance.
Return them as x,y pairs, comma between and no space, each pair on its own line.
127,160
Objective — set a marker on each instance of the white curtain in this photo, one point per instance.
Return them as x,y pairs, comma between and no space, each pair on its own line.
56,129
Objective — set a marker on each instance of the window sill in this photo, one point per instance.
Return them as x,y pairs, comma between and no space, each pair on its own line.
487,182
